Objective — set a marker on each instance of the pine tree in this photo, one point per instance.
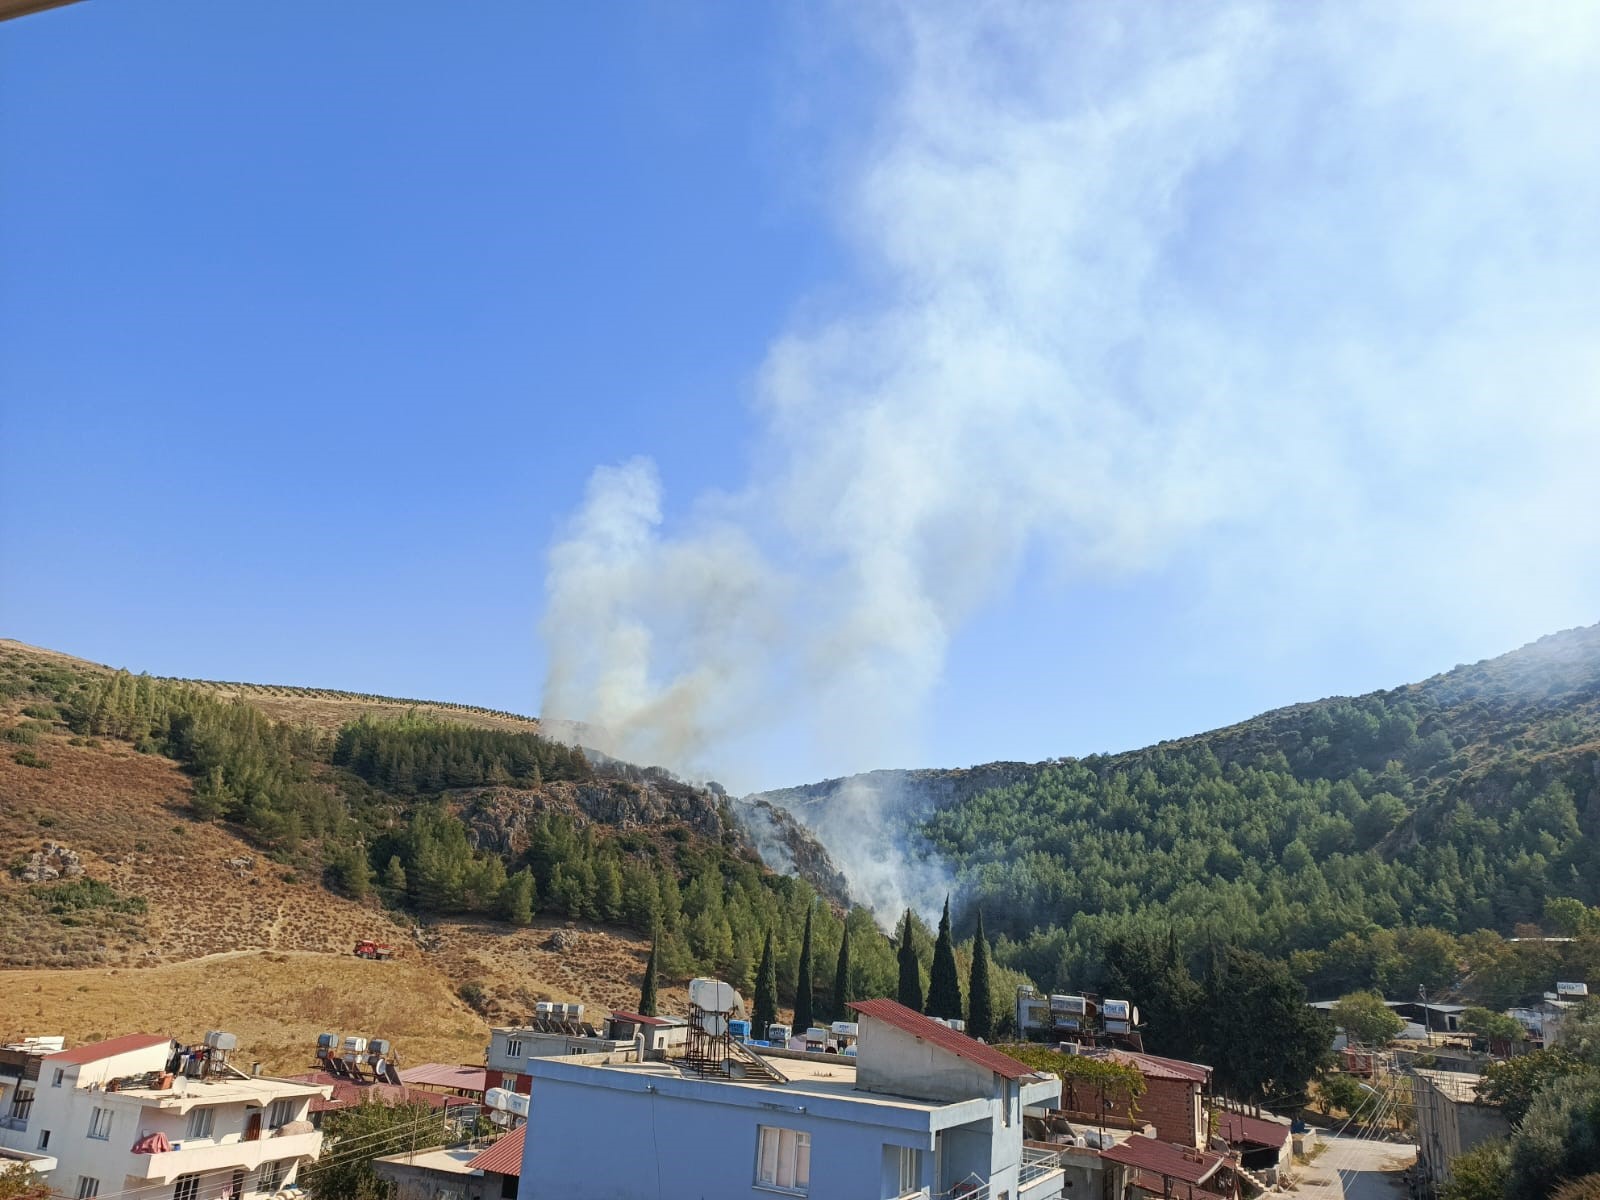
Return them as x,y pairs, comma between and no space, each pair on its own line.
518,897
980,994
394,878
802,983
841,979
766,1009
647,992
944,981
910,990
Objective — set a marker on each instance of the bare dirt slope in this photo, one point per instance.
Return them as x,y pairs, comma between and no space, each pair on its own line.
598,965
124,814
276,1001
203,931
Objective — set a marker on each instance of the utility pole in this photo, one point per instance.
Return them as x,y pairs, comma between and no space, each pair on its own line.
1427,1025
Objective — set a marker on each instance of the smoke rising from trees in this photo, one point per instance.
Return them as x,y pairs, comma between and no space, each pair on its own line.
1298,298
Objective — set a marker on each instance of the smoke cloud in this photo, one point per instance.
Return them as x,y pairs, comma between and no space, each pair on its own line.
1300,297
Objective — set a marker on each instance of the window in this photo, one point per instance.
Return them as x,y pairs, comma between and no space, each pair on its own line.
22,1104
187,1188
55,1080
514,1048
201,1122
783,1159
910,1160
236,1192
44,1139
280,1114
87,1187
100,1123
271,1176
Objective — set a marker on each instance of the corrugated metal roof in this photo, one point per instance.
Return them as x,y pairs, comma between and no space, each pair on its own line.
910,1021
95,1051
449,1075
347,1092
1238,1127
640,1018
504,1157
1165,1159
1153,1066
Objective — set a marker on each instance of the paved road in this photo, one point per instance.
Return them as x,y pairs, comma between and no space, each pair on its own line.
1356,1169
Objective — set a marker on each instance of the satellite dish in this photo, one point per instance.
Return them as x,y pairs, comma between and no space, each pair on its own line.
1135,1014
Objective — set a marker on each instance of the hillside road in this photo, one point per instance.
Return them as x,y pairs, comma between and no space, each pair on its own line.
1357,1169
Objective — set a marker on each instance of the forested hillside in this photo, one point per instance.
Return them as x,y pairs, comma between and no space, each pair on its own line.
1362,836
431,812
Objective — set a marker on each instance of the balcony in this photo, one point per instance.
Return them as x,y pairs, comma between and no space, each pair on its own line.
192,1158
1041,1174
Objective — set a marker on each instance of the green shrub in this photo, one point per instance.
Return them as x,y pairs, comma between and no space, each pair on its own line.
29,759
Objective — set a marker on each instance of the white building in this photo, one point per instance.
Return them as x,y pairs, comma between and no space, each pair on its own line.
921,1110
510,1047
117,1120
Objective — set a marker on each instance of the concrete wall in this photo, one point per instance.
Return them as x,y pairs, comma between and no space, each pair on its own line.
1447,1127
899,1063
418,1182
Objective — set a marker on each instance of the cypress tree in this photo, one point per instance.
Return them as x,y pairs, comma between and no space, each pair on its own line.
766,1009
841,979
647,993
910,990
802,983
980,996
944,981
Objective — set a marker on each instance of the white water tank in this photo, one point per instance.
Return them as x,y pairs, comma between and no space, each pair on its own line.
713,995
506,1100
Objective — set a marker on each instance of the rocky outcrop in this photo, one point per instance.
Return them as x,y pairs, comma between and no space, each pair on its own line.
50,861
500,819
788,846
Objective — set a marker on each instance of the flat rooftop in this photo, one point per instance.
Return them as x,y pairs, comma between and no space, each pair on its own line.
257,1089
1456,1085
451,1162
832,1075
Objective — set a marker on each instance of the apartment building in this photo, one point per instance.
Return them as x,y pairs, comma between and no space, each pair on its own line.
143,1114
920,1110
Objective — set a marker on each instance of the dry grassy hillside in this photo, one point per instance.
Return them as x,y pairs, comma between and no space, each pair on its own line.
325,708
125,814
178,925
276,1001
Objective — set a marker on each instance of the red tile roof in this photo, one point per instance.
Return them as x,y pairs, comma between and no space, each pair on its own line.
1164,1159
504,1157
908,1020
446,1075
95,1051
1152,1066
347,1093
1237,1127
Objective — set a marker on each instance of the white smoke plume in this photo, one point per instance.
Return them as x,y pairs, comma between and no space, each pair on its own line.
1299,299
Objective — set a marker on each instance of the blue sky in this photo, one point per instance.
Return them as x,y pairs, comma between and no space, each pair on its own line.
795,390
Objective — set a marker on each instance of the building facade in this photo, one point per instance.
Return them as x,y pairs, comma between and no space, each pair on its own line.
115,1117
1451,1119
921,1110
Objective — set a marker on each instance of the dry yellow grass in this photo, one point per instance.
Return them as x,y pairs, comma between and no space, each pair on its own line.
276,1002
258,950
